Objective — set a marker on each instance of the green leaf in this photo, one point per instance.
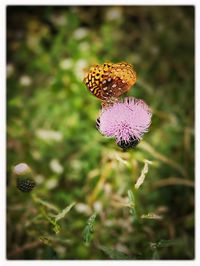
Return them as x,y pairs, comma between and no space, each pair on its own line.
64,212
155,255
164,243
132,204
167,243
45,203
56,226
89,229
114,253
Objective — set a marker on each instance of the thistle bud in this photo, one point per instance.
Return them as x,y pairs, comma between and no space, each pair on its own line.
24,180
25,184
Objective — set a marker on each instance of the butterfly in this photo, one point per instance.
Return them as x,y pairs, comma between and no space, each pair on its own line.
109,81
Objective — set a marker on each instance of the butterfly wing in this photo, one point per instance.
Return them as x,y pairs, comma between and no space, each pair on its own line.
109,81
95,79
120,79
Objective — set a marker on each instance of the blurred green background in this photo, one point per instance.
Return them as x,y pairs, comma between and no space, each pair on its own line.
51,127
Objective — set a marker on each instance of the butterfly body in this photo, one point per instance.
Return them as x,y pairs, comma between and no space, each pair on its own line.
109,81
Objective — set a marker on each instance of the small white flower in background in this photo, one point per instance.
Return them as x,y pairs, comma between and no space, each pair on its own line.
32,42
49,135
51,183
25,81
56,167
76,164
97,206
39,179
66,64
84,46
36,154
82,208
80,33
21,168
108,223
61,250
80,67
10,69
59,20
107,188
113,13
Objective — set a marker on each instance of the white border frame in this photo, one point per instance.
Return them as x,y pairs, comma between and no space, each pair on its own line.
3,260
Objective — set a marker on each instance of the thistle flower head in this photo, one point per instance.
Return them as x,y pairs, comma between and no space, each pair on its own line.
126,121
21,169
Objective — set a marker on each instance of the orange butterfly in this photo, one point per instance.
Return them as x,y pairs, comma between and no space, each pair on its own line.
109,81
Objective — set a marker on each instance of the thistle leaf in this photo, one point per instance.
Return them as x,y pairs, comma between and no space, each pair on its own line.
64,212
89,229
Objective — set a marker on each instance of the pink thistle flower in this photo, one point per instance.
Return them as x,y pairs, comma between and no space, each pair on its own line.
126,121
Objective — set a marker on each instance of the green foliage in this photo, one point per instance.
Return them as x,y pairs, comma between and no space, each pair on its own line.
165,243
114,254
62,214
51,127
155,255
53,222
52,218
132,205
162,244
89,229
